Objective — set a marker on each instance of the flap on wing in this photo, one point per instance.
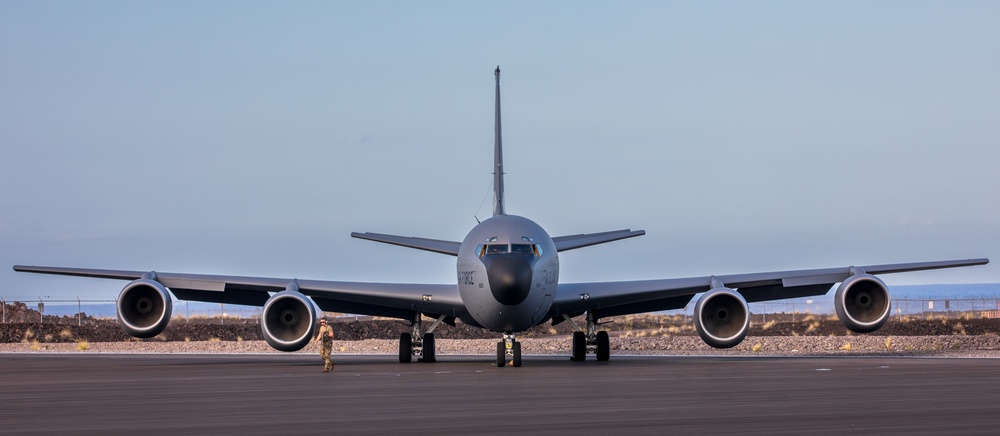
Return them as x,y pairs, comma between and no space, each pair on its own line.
778,292
435,245
196,285
569,242
620,298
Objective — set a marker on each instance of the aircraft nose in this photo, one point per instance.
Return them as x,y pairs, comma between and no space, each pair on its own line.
510,278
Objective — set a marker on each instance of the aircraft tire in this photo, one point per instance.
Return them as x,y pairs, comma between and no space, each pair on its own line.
405,348
501,356
579,347
603,346
517,354
429,348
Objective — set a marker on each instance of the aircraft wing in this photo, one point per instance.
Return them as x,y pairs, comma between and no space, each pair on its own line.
620,298
569,242
435,245
398,300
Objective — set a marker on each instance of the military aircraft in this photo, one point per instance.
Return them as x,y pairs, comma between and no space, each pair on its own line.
507,282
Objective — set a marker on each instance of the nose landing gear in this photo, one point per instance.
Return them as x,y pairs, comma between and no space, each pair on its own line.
508,351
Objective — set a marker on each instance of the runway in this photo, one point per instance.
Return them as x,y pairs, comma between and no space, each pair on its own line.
281,394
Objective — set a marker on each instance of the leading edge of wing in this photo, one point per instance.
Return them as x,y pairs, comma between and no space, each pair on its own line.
362,297
434,245
664,294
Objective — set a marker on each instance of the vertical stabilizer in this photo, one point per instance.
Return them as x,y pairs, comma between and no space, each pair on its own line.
498,159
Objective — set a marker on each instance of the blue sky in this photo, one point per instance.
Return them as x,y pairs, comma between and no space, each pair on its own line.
251,138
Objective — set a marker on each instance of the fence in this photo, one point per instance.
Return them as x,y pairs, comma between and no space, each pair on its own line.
974,307
77,310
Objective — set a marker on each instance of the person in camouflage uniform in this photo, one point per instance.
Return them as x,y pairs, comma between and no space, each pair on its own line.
324,339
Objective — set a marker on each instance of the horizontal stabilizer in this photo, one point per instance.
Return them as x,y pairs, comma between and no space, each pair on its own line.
435,245
570,242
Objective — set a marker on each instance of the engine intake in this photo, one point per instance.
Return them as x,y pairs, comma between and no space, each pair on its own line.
288,321
722,318
862,303
144,308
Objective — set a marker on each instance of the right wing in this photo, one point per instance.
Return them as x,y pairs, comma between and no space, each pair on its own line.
397,300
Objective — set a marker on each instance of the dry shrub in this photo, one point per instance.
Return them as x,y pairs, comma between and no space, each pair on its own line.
813,325
958,329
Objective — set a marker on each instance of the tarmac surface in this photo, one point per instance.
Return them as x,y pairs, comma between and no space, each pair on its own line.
367,394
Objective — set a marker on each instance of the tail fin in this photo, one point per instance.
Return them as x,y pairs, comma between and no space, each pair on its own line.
498,159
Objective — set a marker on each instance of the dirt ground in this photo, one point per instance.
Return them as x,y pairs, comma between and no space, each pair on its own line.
23,326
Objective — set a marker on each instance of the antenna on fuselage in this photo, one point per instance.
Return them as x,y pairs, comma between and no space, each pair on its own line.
498,159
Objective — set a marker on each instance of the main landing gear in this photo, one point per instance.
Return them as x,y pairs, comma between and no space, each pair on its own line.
508,351
589,342
417,344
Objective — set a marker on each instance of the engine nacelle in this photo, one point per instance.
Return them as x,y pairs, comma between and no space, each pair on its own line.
288,321
144,308
722,318
862,302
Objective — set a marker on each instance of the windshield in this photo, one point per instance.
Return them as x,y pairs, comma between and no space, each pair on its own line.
496,249
521,249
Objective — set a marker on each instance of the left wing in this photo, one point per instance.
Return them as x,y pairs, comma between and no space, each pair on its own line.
605,299
398,300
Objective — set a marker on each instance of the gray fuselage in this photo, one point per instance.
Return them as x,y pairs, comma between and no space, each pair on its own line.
508,272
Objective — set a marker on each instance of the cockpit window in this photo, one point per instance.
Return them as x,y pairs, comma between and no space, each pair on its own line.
521,248
496,249
485,249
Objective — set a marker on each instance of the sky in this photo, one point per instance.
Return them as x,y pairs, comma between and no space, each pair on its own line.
251,138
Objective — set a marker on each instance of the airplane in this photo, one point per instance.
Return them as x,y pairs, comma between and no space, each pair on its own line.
507,282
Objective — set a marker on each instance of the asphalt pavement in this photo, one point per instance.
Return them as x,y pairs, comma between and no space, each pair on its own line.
282,394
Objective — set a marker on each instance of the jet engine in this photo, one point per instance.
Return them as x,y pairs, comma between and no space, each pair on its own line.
288,321
722,318
862,302
144,308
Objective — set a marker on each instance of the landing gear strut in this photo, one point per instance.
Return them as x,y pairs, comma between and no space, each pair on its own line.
508,350
589,342
417,344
